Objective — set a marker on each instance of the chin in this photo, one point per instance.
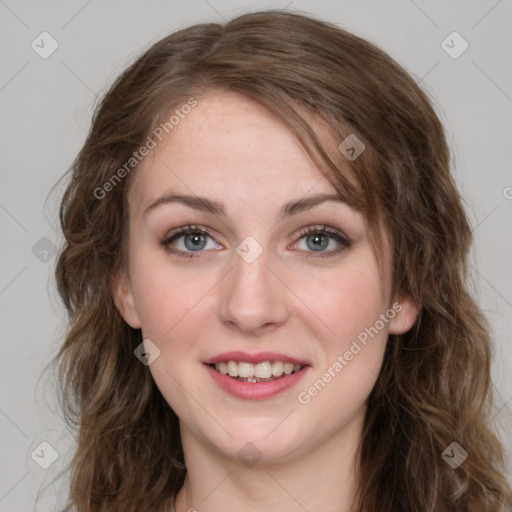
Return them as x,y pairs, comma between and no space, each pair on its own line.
258,440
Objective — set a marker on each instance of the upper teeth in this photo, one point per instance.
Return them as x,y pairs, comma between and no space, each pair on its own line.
263,370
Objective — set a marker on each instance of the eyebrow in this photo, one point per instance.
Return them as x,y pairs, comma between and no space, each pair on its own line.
204,204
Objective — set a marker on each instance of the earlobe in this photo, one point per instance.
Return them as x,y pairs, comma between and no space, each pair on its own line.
406,314
124,299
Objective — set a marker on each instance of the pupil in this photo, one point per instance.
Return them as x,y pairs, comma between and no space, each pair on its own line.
319,241
197,241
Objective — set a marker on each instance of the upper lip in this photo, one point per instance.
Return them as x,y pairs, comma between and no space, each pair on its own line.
255,358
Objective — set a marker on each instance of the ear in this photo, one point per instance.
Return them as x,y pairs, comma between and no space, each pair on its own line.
124,299
406,314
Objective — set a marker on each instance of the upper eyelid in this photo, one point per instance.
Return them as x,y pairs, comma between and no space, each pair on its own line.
305,231
323,228
184,230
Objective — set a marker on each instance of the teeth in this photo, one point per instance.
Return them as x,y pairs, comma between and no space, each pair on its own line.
277,368
246,370
232,369
253,372
262,370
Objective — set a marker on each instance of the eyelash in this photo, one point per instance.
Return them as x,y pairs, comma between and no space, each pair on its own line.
343,241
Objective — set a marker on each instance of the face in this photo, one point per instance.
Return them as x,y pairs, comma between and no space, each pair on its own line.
293,288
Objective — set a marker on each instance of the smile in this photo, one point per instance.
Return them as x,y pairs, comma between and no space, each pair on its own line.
267,375
266,371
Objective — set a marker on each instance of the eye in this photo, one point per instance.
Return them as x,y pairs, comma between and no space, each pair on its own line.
318,238
187,240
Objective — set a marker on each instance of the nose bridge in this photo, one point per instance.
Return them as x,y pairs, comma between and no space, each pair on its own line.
252,296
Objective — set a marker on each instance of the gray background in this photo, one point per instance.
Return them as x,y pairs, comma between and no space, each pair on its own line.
46,106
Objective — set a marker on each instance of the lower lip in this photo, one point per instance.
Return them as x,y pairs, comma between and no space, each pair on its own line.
256,390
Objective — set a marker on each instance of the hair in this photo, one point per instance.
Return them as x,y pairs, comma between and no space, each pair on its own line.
434,386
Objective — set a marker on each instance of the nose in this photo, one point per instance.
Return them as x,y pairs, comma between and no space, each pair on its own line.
253,299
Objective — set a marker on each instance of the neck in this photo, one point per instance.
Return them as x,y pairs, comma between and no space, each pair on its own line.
319,478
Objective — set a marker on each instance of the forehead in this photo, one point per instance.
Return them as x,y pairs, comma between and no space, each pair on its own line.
228,146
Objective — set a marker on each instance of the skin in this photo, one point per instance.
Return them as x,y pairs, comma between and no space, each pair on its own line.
289,300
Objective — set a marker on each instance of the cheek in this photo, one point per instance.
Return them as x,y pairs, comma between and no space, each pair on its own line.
352,307
353,356
348,301
166,293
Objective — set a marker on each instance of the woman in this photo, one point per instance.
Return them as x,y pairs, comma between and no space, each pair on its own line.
264,270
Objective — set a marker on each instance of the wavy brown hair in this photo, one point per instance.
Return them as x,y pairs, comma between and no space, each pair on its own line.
434,387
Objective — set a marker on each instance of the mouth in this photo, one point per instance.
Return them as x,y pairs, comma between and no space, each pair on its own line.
256,376
265,371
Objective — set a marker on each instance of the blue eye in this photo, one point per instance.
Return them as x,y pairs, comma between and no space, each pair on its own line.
190,239
317,242
194,241
318,238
